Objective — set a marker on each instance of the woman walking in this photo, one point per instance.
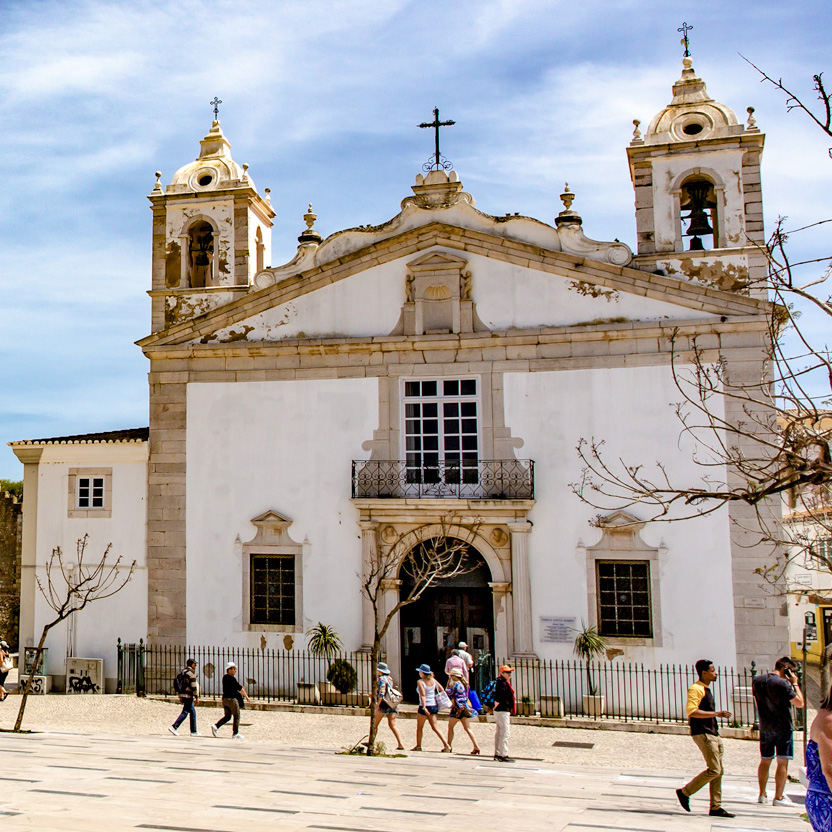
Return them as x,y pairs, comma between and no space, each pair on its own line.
428,688
819,768
385,684
461,710
5,667
232,693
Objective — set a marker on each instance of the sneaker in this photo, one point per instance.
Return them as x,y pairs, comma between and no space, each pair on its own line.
195,734
504,759
173,731
236,736
720,813
762,799
683,799
782,801
214,730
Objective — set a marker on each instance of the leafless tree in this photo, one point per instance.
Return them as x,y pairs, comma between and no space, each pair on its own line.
420,557
69,587
762,441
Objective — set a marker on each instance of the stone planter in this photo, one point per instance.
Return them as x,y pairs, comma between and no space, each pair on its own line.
308,694
552,706
329,695
594,705
525,709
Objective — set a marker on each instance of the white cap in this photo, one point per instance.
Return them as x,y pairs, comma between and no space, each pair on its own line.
230,665
462,644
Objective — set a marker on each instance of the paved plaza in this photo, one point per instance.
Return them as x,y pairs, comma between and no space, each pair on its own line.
82,781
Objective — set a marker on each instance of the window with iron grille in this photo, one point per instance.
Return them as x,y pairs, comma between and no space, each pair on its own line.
441,430
624,607
273,589
823,548
90,492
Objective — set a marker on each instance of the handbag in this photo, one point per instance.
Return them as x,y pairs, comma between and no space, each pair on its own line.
443,701
476,705
392,696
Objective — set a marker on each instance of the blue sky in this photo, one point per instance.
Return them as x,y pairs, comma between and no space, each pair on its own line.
322,100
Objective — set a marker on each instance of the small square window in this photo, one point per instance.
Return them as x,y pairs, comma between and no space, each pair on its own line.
90,492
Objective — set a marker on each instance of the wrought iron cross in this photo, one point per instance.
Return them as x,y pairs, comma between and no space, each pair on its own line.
437,161
684,29
216,102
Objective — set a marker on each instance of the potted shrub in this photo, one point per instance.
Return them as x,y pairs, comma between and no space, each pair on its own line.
590,645
343,677
324,642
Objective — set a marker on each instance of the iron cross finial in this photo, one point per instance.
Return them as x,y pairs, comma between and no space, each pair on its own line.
216,102
684,29
437,161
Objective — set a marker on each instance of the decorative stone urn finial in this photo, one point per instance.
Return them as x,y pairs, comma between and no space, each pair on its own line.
637,137
567,215
752,122
310,235
157,188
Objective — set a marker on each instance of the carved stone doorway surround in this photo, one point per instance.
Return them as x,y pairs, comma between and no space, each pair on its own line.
501,538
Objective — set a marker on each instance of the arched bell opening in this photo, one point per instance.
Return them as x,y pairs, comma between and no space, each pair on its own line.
200,263
698,215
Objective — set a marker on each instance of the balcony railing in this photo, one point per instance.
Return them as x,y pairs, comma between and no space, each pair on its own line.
485,479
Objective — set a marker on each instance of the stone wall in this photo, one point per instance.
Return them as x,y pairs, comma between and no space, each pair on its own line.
11,526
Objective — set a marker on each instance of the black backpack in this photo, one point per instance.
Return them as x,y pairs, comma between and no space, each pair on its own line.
181,684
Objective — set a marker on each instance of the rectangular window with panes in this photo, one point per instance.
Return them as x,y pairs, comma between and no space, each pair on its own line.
624,607
89,492
441,430
273,589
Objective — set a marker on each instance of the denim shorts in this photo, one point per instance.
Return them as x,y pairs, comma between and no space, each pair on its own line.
385,708
780,745
430,710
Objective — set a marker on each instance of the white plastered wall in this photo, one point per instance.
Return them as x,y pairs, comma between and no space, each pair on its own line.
630,409
286,446
96,628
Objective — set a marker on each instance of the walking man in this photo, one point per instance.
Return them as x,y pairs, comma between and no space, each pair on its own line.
188,689
504,703
702,715
775,694
462,652
232,697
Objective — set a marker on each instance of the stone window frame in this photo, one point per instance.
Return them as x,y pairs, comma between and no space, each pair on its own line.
621,540
73,510
272,538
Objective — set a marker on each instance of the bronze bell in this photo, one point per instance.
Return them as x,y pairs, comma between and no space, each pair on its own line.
697,203
699,223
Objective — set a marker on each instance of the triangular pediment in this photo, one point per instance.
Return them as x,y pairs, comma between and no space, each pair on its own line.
271,518
431,246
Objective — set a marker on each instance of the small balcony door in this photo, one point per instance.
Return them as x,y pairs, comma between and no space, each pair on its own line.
441,435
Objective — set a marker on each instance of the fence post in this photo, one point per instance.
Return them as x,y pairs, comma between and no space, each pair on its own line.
140,681
120,672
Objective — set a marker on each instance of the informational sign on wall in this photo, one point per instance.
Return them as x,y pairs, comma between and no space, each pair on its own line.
558,628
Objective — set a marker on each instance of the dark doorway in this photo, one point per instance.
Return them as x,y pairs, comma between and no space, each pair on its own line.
457,609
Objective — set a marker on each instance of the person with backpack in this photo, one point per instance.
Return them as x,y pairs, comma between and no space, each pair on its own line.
186,685
504,707
232,697
387,700
428,689
461,708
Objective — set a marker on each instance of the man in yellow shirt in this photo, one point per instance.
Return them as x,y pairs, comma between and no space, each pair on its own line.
704,731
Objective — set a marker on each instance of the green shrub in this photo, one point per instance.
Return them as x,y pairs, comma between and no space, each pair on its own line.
342,674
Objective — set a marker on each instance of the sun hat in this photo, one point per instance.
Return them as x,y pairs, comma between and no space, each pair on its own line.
230,665
506,668
463,644
424,668
456,671
382,668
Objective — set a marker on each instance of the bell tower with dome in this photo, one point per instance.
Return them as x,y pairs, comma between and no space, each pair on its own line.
696,175
211,234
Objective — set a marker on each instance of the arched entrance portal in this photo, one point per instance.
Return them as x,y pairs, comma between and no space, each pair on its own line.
457,609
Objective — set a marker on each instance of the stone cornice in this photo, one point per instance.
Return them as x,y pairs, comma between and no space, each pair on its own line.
573,267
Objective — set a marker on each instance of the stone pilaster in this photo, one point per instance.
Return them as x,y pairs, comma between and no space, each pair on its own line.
391,645
166,574
503,624
521,588
369,551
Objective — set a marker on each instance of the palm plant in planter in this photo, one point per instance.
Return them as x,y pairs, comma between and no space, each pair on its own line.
590,644
323,641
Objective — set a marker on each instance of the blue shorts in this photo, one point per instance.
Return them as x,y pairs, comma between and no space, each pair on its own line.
429,710
780,745
385,708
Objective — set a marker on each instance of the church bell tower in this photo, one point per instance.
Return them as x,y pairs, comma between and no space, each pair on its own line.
696,175
211,234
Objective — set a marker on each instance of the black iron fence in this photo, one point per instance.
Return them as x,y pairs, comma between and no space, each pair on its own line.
483,479
552,688
625,691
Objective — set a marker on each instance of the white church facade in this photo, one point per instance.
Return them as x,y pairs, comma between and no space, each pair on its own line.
439,368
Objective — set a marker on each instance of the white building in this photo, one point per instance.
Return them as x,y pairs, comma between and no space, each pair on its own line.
446,362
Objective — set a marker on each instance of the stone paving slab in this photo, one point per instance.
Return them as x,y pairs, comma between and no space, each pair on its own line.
64,781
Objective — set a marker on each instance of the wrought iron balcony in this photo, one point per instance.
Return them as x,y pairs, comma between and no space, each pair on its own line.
484,479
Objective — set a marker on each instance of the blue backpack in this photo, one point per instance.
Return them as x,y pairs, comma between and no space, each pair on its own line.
487,696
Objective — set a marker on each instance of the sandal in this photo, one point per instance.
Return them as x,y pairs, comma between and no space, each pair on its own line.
416,748
447,750
475,752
